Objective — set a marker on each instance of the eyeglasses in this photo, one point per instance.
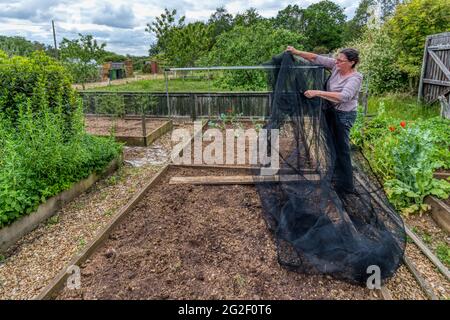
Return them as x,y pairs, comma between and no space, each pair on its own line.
341,61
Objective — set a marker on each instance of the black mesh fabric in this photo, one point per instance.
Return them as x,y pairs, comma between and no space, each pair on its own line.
319,230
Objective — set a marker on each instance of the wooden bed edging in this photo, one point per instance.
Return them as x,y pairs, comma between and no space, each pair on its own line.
142,141
250,179
440,212
56,284
19,228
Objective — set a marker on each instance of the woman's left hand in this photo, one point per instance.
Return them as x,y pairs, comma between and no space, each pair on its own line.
311,93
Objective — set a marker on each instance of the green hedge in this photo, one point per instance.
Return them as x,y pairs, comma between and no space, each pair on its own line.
44,148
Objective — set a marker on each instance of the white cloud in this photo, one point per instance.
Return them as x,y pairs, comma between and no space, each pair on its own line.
121,23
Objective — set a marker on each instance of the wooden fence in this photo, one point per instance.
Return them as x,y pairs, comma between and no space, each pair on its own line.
193,104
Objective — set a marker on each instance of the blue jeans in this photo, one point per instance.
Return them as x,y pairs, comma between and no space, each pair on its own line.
340,123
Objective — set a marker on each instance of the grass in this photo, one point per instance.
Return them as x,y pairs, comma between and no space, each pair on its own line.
159,85
403,106
53,220
443,253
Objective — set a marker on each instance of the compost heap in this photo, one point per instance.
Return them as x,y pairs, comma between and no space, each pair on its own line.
319,230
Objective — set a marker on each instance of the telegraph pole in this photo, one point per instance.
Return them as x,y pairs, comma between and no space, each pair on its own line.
54,40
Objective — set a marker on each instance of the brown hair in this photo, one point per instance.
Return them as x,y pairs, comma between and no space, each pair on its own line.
351,54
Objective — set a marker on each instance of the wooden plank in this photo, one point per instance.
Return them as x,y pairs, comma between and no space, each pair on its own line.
56,284
422,282
436,97
441,175
422,72
441,65
437,82
385,293
235,167
439,47
224,180
158,132
440,212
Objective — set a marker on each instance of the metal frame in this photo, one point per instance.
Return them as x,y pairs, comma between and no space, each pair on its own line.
259,67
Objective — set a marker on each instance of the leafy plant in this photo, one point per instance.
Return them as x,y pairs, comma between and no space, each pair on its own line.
404,154
443,253
111,104
53,220
44,148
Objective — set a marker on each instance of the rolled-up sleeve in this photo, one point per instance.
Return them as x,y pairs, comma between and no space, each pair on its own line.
351,88
328,63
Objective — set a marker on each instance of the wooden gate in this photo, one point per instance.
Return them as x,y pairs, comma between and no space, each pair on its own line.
435,74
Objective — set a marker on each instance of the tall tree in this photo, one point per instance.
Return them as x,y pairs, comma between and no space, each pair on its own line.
324,24
221,21
81,56
387,8
187,44
248,18
410,25
247,46
290,18
161,28
356,26
19,46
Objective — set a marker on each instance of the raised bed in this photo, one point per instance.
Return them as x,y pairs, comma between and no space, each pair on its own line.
131,131
440,209
191,242
12,233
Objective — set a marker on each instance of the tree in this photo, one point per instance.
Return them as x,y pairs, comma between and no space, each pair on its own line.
324,25
111,56
290,18
19,46
410,25
221,21
81,56
387,8
356,26
161,28
379,60
188,43
249,45
248,18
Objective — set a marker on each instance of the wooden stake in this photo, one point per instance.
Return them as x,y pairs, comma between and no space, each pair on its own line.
221,180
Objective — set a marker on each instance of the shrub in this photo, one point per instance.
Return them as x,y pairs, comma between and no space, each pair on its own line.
248,46
43,147
38,80
379,61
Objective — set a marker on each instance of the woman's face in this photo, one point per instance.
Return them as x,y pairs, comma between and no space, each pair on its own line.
342,63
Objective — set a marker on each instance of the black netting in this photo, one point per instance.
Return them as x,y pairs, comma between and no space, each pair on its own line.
318,227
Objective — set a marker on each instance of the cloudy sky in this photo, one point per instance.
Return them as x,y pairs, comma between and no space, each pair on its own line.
120,23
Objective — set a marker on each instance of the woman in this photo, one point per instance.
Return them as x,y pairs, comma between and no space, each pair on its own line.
342,91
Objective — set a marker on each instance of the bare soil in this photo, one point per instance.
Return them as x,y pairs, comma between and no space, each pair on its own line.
123,127
208,143
198,242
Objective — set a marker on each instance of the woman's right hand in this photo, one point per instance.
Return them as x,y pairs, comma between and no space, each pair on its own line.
291,50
